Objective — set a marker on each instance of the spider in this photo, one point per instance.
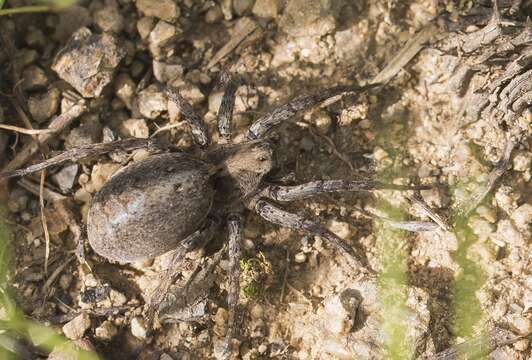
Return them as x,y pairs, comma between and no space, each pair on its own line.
174,200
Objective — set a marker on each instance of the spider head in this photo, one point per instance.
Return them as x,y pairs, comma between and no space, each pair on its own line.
248,163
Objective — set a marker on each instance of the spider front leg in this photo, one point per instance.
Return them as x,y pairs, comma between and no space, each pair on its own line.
313,188
284,218
225,113
197,126
83,152
261,126
234,225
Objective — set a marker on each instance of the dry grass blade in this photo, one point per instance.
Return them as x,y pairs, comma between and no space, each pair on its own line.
43,221
27,131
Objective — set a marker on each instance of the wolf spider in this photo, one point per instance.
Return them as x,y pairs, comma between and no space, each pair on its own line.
170,201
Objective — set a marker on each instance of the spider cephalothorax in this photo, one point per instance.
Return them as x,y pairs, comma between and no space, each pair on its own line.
169,201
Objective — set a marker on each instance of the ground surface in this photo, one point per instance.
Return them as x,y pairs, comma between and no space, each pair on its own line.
300,300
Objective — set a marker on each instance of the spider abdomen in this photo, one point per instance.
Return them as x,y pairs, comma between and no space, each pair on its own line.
149,207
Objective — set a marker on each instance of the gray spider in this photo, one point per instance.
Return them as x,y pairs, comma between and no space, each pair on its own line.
173,200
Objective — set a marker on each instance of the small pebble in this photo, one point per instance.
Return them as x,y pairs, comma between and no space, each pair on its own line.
152,102
135,128
166,10
125,89
76,327
106,331
266,8
138,328
34,78
43,106
145,25
214,14
300,258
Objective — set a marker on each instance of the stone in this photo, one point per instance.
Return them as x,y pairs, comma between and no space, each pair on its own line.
145,25
88,132
152,102
162,34
308,18
246,99
166,10
138,328
522,216
76,327
109,18
337,319
44,105
522,161
100,173
106,331
266,8
507,234
135,128
193,94
241,7
520,324
65,177
71,350
165,72
88,61
300,258
322,121
341,229
18,200
34,78
214,14
125,89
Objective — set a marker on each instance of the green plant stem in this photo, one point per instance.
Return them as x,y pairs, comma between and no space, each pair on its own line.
27,9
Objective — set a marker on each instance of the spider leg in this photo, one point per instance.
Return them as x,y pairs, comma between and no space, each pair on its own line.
234,225
198,239
82,152
197,126
313,188
284,218
284,112
225,113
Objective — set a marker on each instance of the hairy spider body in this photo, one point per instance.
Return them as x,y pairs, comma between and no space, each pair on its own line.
164,202
147,208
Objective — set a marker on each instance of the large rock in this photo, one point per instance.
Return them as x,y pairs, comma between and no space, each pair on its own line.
88,61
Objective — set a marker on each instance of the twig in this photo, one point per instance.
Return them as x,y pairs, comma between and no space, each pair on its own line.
58,124
417,200
43,221
407,53
166,128
246,27
48,194
54,275
495,174
26,131
285,276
